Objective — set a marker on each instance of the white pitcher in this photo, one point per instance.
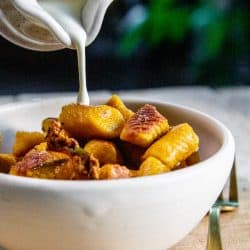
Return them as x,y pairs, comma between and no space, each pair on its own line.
27,24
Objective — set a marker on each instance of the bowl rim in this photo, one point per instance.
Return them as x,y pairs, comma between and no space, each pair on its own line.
21,181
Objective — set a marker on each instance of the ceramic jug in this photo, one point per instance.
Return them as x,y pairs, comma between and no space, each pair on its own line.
27,24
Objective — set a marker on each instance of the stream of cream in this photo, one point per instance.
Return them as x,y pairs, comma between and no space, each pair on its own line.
68,14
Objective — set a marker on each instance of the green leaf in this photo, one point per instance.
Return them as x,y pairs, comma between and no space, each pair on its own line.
215,36
130,41
167,24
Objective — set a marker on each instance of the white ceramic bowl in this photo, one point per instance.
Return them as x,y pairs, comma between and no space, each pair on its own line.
146,213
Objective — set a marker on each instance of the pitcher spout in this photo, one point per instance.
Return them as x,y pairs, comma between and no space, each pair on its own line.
92,17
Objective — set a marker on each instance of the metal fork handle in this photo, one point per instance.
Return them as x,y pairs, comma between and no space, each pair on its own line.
214,238
233,188
221,205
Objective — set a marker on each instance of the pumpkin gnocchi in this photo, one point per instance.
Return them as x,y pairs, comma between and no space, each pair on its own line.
107,141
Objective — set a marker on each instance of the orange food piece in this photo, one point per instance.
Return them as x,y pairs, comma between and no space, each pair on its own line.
116,102
25,141
104,151
107,171
6,161
50,165
174,147
113,171
146,125
83,121
152,166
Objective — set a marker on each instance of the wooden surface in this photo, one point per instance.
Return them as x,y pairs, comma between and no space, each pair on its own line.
232,107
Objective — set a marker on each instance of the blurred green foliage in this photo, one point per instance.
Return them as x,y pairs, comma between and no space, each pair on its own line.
217,30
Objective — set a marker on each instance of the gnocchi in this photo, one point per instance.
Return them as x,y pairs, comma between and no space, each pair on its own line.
107,141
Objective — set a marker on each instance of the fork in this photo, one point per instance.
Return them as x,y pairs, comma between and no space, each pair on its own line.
222,205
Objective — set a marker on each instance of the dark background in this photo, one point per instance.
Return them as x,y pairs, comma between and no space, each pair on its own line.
144,44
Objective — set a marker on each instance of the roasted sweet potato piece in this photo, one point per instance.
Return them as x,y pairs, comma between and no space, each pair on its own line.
83,121
25,141
38,160
6,161
113,171
131,153
152,166
174,147
116,102
104,151
146,125
50,165
107,171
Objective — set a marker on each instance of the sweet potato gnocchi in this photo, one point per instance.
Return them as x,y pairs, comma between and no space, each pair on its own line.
108,141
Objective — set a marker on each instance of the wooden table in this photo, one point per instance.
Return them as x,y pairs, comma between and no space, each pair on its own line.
232,107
